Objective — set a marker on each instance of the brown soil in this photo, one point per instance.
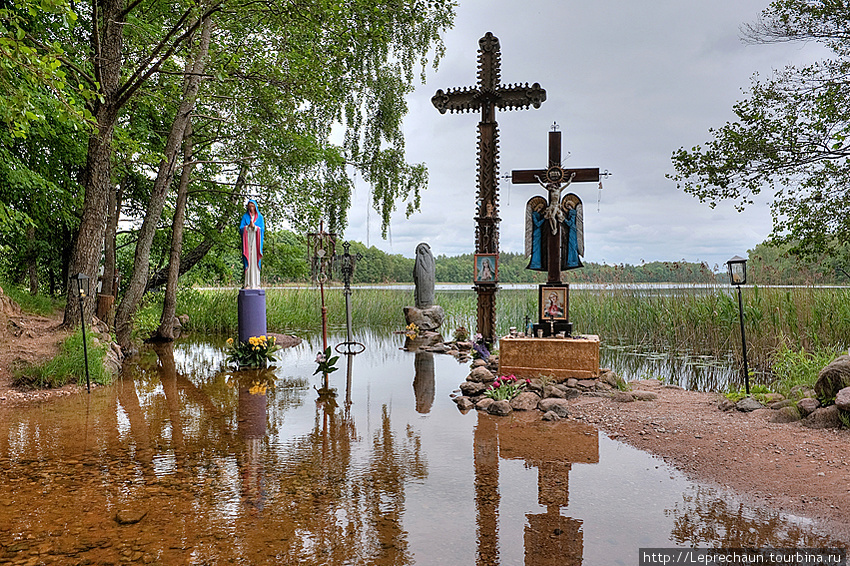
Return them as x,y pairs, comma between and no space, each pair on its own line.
784,466
27,339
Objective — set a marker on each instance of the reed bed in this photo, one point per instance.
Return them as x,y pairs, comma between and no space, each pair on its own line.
698,321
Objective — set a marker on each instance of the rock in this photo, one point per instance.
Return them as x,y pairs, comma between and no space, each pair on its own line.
463,403
500,408
559,406
481,374
788,414
479,363
569,392
802,391
842,399
587,384
484,404
424,340
773,398
129,516
779,404
623,397
551,416
571,382
536,386
825,417
428,318
525,401
463,345
439,348
641,395
553,391
610,377
726,404
833,378
472,388
807,406
748,404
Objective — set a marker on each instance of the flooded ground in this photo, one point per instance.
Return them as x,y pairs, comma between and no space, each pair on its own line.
183,463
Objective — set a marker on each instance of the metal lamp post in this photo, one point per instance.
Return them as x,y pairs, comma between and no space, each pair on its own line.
83,281
737,277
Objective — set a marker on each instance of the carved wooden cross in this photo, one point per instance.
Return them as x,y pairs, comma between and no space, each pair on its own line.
487,96
552,178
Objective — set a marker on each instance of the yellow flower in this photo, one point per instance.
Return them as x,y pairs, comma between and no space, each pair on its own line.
230,341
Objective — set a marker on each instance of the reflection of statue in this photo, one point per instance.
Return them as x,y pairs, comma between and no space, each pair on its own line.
252,229
423,381
571,221
424,276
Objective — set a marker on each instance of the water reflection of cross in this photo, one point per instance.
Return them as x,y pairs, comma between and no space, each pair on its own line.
554,178
487,96
346,268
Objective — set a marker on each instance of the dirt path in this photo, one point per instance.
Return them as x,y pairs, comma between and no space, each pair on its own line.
786,466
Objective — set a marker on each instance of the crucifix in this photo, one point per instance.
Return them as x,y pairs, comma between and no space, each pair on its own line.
554,233
487,96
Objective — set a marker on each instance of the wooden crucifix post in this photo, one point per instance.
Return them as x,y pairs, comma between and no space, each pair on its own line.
487,96
555,179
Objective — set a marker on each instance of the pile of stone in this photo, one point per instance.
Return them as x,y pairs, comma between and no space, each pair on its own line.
803,403
543,395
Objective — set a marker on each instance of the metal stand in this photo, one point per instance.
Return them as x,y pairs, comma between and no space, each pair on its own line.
347,261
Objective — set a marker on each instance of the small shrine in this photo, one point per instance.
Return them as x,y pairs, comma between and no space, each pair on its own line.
554,242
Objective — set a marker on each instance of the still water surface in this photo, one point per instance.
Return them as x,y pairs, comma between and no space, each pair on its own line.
257,468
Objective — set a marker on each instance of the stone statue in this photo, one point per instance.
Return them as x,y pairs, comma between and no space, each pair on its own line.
424,276
252,229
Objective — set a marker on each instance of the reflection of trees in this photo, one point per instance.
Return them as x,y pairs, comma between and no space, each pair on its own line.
704,519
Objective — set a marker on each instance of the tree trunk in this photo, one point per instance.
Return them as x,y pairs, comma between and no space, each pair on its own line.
114,213
169,304
165,175
88,242
32,263
196,254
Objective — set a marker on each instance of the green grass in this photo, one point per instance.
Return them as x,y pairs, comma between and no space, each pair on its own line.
67,367
36,304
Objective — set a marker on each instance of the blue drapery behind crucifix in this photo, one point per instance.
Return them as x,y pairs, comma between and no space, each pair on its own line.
537,231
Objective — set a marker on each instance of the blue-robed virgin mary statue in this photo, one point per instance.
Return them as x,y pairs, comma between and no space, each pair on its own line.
571,233
252,229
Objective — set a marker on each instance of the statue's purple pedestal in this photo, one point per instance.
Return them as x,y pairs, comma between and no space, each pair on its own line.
251,307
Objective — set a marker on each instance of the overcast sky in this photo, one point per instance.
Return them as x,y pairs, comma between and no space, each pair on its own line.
628,83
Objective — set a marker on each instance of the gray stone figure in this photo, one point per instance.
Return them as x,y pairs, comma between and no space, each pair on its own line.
424,276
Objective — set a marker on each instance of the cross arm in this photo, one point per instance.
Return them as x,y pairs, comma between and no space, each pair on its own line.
520,96
526,176
457,100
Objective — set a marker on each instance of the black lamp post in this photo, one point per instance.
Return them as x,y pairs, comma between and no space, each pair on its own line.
738,276
83,282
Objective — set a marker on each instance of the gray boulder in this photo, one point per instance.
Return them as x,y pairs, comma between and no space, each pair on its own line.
623,397
825,417
641,395
484,404
842,399
551,416
559,406
748,404
500,408
472,388
481,374
429,318
807,406
553,391
787,414
464,403
833,378
525,401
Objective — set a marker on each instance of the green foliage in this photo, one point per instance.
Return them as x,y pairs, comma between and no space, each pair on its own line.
791,368
325,362
37,304
790,136
505,387
255,353
757,391
67,367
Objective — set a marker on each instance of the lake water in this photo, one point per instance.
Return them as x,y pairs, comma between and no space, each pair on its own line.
208,466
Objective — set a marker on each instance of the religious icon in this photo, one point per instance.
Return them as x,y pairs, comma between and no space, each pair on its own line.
553,303
486,268
571,232
252,229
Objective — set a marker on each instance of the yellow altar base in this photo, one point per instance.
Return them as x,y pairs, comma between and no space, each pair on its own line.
559,358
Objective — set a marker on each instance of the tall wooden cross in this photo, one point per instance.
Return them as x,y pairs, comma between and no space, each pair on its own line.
487,96
554,178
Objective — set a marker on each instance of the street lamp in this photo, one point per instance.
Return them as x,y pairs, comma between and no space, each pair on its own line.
83,282
737,277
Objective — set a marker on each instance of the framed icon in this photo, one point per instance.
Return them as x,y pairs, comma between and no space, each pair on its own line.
553,302
486,268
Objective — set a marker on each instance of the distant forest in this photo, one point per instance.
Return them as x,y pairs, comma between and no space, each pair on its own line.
285,261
